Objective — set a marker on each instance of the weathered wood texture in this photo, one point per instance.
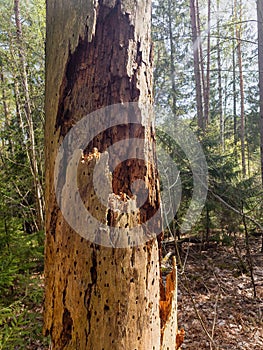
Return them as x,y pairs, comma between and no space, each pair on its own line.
98,54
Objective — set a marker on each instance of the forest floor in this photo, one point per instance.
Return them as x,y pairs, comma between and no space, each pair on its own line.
216,303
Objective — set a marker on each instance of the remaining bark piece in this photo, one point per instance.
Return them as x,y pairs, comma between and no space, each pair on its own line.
97,297
168,310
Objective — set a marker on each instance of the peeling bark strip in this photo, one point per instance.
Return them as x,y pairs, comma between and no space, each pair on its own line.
98,54
168,311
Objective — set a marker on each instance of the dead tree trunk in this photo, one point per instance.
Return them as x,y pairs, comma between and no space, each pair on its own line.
97,296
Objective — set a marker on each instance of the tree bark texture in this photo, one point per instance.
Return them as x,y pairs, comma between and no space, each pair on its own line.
97,297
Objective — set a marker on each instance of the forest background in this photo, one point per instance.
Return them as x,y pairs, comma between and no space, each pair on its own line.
206,74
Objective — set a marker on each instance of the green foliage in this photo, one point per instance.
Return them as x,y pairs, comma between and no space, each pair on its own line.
21,290
17,180
20,254
229,194
20,320
21,242
171,20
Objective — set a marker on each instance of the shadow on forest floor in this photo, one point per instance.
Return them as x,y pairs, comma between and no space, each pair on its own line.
216,287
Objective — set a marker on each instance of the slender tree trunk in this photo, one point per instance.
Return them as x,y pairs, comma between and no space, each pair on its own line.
101,297
172,59
24,137
242,95
207,224
201,58
29,119
207,88
225,93
248,159
219,77
176,227
5,108
234,97
234,77
260,63
201,62
4,102
198,84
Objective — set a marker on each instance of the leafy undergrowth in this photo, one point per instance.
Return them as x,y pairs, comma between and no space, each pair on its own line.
216,303
21,288
21,315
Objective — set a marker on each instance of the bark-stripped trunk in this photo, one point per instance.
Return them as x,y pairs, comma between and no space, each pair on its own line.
260,64
242,95
101,297
197,73
29,120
